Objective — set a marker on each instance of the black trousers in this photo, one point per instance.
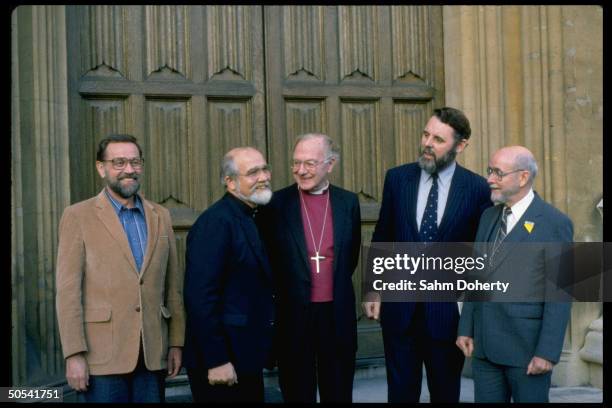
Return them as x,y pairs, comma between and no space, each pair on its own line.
315,360
405,354
249,388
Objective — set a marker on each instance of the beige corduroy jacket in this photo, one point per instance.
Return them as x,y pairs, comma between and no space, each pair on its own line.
103,302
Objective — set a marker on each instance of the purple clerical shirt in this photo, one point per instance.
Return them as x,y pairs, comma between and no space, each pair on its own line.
322,283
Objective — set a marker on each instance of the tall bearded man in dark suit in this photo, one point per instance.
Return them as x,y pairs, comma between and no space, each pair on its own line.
515,345
313,235
432,200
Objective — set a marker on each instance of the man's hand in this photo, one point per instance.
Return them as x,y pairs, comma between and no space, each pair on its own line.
224,374
175,358
371,307
539,365
77,372
466,344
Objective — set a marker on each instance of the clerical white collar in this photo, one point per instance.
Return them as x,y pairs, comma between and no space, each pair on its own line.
320,190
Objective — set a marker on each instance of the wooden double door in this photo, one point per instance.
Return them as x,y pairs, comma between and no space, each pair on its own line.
191,82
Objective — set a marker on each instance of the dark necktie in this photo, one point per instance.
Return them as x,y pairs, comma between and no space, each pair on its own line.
503,227
429,223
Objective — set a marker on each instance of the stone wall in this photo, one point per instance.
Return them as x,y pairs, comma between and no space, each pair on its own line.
533,75
40,187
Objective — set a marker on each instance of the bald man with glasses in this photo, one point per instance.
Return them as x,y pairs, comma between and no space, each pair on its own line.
515,345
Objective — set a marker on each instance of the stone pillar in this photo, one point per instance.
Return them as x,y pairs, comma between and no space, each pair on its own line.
40,187
592,352
533,75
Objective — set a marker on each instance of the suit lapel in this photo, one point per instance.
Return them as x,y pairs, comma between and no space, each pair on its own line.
340,221
293,216
519,233
252,235
492,223
453,202
411,188
110,220
254,241
152,219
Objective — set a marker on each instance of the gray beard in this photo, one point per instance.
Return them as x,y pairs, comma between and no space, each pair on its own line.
124,192
438,164
261,197
503,197
256,197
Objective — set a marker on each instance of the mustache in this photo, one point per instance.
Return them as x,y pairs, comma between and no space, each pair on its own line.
129,175
428,150
255,187
262,184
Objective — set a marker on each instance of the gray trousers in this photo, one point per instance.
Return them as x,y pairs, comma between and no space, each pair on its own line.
499,383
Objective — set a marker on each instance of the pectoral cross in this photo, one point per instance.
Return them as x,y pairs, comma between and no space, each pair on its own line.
317,258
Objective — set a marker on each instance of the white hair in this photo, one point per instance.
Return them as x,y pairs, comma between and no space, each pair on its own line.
332,150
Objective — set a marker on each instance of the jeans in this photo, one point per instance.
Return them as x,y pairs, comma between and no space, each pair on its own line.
141,385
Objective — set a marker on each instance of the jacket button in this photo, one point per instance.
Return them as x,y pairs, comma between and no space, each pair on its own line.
137,308
141,282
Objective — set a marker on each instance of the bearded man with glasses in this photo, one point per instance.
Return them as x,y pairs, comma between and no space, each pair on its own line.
119,289
229,295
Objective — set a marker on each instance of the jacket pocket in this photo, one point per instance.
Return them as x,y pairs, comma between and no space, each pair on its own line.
239,320
102,314
165,312
99,334
165,315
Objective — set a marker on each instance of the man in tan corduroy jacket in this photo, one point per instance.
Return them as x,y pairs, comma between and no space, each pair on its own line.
119,289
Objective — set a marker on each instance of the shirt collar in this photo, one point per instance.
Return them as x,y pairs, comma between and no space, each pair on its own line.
444,176
319,191
117,206
519,208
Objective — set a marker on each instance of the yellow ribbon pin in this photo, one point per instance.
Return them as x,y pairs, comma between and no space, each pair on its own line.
528,226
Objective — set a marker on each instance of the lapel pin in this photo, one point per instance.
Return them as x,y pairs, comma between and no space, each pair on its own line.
529,226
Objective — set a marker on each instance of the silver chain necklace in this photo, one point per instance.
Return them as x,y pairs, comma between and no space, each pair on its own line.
317,258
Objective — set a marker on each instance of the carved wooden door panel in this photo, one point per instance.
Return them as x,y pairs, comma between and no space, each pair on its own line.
190,82
369,77
187,81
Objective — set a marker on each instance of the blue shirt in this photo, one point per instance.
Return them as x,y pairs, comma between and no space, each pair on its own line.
134,225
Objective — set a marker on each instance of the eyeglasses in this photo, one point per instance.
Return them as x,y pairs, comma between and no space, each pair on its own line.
256,171
119,163
500,174
308,164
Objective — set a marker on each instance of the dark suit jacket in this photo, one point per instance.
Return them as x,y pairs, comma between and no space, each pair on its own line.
287,249
511,333
468,197
228,291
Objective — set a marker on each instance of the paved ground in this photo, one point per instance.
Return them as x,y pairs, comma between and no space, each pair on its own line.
371,386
